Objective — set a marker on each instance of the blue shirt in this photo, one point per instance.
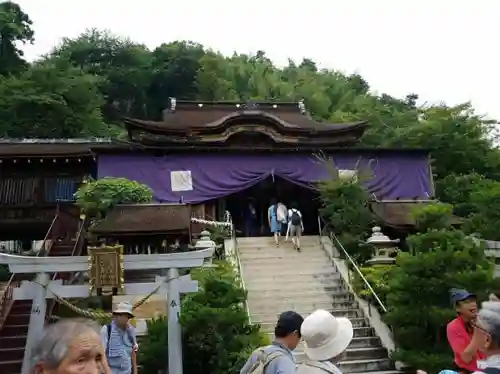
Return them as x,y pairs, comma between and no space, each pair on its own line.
284,364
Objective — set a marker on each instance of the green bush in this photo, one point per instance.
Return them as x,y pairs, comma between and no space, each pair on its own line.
97,197
433,216
418,294
345,208
217,337
378,277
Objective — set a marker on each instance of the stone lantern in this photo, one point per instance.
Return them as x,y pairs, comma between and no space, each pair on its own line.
384,247
206,242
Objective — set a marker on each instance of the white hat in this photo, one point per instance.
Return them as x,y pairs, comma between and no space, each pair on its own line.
124,308
325,336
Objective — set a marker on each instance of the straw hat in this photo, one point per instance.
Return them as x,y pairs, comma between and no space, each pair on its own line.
325,336
124,308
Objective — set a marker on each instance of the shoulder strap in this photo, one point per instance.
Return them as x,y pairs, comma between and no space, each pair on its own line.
271,356
108,330
264,360
491,370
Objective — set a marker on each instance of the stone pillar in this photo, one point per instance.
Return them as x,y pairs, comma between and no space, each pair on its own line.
37,318
174,327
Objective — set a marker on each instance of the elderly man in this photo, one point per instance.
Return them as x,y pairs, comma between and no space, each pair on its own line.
70,346
119,341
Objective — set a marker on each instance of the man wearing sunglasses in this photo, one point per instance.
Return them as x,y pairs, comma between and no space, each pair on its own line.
463,339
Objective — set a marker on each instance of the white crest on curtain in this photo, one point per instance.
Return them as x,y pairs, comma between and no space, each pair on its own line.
181,180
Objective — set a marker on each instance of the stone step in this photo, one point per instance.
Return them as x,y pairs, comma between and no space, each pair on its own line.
363,366
11,366
317,278
359,332
312,296
271,317
7,354
270,239
13,330
12,341
288,271
248,261
283,250
289,304
356,322
365,341
17,319
291,289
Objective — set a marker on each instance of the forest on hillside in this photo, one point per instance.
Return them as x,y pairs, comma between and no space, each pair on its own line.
86,85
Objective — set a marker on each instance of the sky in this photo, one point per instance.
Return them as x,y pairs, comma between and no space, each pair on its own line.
443,50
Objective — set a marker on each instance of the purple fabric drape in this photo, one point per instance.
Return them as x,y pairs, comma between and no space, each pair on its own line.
214,176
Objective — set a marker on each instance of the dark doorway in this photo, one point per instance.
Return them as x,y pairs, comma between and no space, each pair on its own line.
260,196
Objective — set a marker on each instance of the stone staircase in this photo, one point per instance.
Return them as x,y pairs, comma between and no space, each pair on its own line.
14,331
279,279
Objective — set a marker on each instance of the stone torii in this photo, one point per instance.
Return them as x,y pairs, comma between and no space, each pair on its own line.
43,288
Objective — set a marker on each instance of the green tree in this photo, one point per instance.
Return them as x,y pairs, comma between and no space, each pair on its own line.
15,27
418,289
47,101
345,207
96,198
124,66
215,327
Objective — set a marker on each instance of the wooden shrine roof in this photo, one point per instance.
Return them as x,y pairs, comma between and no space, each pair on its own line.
52,147
145,219
399,214
205,122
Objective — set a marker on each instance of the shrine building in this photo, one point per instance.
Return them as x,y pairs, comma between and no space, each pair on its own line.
214,156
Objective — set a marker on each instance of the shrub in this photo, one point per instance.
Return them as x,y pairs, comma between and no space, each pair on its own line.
345,207
95,198
217,337
378,277
433,216
418,293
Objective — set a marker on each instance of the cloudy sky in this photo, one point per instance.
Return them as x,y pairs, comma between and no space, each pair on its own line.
444,50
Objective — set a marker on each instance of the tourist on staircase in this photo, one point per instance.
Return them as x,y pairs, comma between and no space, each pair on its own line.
295,225
119,340
277,358
464,340
326,339
274,224
69,346
282,218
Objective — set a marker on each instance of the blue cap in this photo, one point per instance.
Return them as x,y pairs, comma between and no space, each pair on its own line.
457,295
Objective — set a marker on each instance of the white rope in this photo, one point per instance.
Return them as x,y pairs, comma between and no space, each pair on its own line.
212,223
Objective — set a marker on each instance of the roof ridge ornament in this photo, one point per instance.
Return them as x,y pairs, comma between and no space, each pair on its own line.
302,106
173,104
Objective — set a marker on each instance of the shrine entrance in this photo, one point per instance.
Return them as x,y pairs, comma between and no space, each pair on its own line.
106,267
261,194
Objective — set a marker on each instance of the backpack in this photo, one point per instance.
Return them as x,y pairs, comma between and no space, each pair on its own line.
296,219
263,360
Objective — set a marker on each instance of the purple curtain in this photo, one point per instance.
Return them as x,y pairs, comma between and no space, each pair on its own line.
214,176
